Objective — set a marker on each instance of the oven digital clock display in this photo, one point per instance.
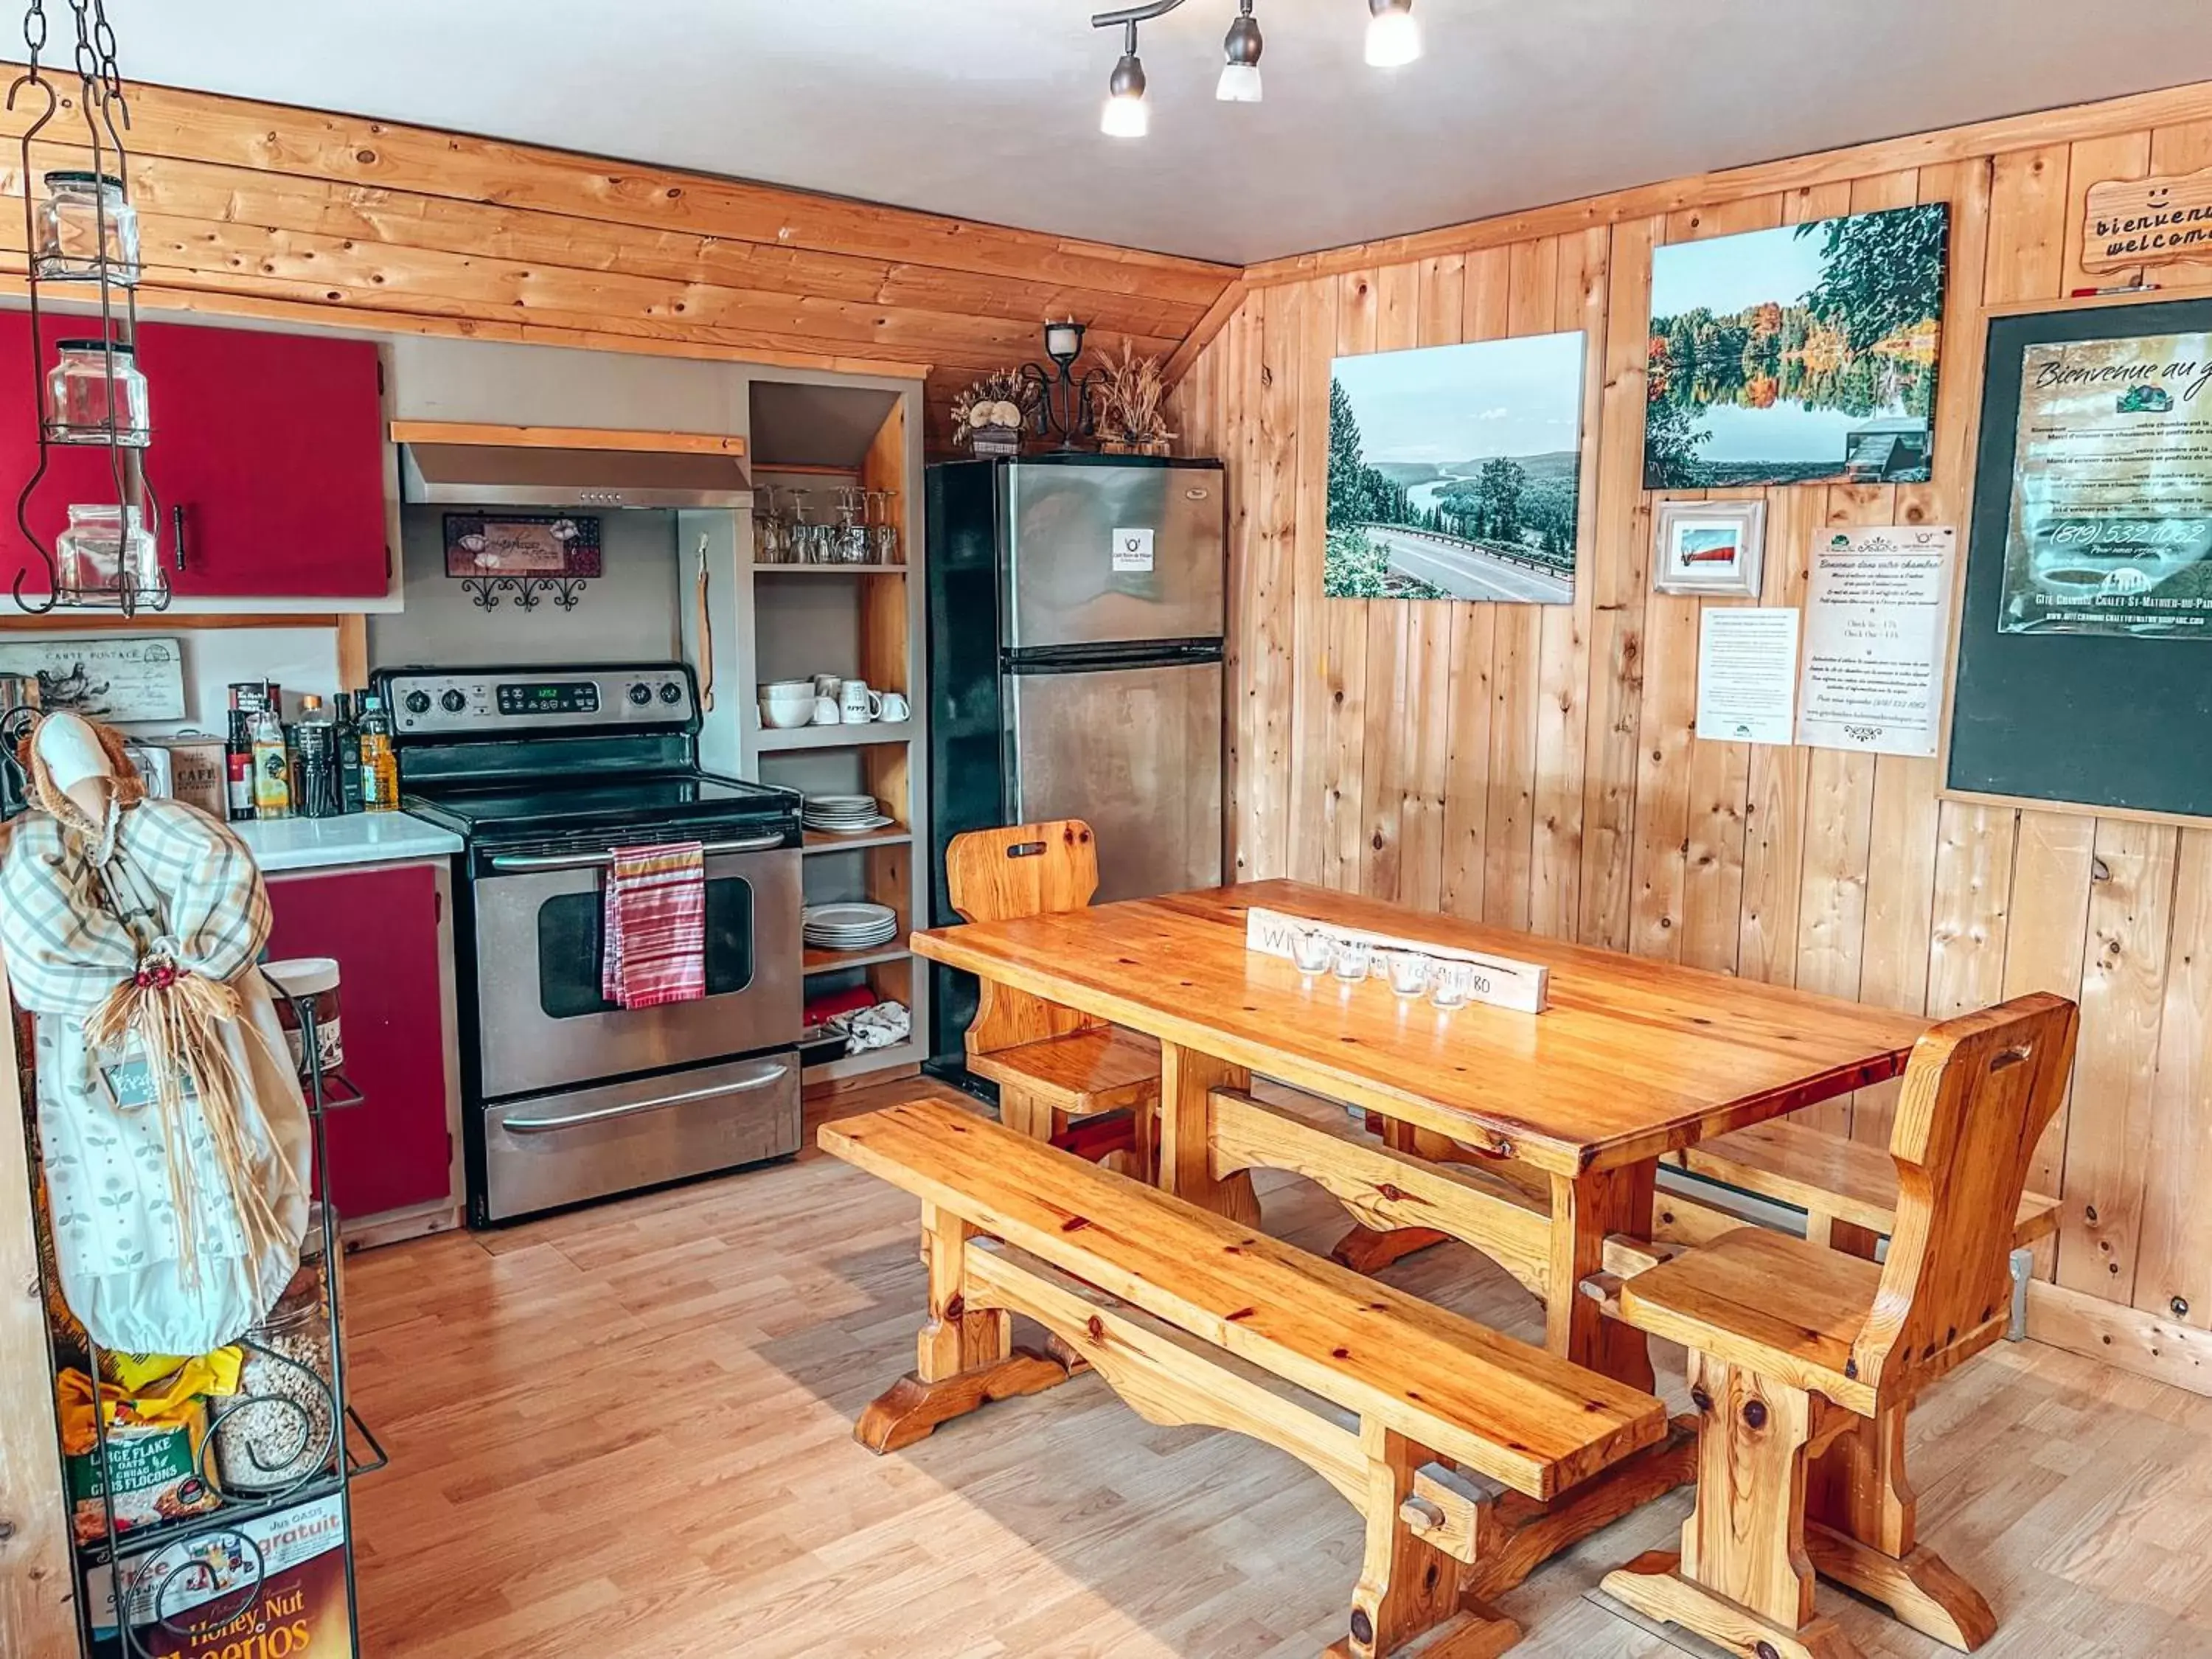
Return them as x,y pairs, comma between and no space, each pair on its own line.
550,697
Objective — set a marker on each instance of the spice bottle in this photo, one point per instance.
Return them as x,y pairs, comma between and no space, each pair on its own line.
272,768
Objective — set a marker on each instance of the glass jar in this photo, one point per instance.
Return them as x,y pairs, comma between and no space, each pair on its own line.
107,552
95,382
281,1428
85,229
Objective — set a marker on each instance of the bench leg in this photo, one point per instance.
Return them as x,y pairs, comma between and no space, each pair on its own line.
963,1359
1743,1579
1863,1516
1408,1602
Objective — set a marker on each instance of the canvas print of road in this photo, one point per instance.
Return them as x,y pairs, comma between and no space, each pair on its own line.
1455,472
1803,355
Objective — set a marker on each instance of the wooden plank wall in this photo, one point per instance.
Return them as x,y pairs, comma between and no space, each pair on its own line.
1537,767
260,209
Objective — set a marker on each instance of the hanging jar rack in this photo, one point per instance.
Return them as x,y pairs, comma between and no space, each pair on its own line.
82,234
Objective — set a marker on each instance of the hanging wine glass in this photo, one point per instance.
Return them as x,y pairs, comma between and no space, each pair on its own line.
769,545
885,533
803,546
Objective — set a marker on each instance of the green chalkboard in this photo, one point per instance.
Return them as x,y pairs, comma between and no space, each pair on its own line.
2103,720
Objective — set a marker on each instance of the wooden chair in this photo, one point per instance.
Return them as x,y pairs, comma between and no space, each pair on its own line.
1803,1361
1052,1066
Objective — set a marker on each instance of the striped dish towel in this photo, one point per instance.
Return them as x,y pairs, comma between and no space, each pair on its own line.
656,926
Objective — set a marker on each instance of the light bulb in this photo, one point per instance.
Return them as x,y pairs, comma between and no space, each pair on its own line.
1393,37
1126,115
1239,84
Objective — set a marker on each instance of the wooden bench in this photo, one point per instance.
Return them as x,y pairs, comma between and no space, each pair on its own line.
1472,1457
1847,1189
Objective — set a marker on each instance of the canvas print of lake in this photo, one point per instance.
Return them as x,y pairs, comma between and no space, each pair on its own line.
1455,472
1803,355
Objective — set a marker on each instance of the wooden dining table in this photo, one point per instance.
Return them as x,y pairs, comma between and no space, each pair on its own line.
1534,1137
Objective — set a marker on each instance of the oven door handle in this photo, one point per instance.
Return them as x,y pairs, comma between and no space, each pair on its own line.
712,849
546,1126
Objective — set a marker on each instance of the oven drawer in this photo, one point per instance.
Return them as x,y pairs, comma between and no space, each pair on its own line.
557,1149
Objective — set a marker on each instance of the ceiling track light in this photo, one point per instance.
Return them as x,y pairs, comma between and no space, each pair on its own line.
1240,50
1126,115
1393,39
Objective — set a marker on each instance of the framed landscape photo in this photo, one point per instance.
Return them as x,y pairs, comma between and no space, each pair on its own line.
1713,548
1803,355
1455,472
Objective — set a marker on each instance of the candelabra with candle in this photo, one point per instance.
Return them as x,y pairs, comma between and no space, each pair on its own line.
1066,404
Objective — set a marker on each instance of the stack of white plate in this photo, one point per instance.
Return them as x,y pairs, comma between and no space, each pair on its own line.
844,815
854,927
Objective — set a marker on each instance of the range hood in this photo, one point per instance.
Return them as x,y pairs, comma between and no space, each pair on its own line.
466,465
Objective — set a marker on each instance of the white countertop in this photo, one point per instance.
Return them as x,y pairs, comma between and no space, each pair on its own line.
282,844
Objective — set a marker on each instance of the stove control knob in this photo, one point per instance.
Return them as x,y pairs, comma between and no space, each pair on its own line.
641,693
453,702
671,692
418,703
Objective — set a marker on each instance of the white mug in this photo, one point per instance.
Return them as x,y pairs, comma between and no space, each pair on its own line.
860,704
827,685
895,707
828,712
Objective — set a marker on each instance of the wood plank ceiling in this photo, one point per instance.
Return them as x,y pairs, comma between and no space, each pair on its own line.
263,209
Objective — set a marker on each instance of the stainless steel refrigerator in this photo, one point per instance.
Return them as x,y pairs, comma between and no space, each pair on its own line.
1076,616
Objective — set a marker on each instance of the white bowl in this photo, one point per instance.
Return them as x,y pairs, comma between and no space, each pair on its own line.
787,688
783,717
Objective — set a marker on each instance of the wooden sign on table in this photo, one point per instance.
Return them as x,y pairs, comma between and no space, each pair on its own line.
2138,222
1500,982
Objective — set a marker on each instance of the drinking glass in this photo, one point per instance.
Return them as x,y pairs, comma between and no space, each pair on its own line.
801,546
768,544
1354,958
1311,949
851,539
885,533
1455,984
1409,973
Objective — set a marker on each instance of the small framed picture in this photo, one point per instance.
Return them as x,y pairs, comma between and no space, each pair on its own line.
1715,547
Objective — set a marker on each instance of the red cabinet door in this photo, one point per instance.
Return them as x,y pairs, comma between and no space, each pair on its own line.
382,928
271,446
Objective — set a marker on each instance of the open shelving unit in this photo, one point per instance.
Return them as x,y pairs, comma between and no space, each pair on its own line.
856,621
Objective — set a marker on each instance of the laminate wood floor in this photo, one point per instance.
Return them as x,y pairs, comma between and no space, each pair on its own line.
627,1432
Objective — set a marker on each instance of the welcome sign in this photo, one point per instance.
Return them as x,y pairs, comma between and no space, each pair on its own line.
2138,222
